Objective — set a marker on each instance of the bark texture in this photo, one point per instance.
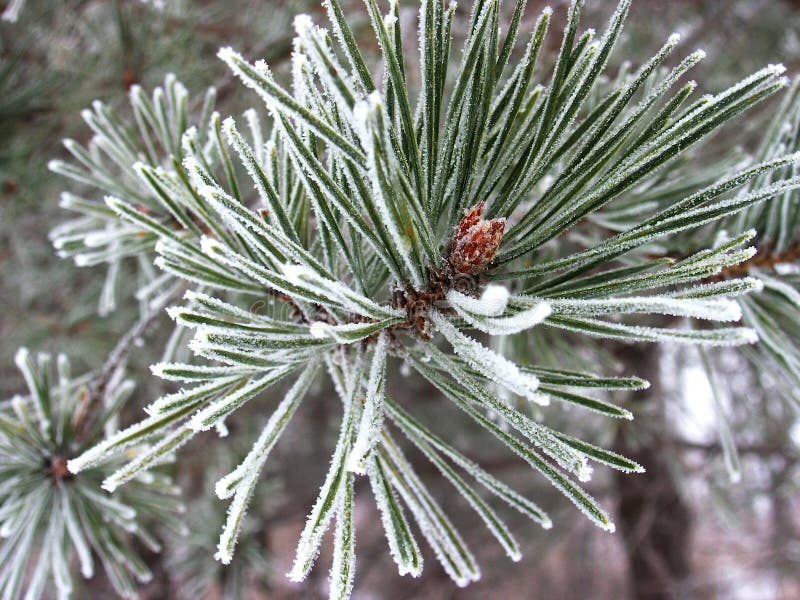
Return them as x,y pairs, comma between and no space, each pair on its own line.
653,519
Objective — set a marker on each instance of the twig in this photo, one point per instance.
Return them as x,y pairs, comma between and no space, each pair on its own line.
97,387
763,450
763,259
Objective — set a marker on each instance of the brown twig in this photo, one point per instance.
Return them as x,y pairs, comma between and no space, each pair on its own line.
762,259
97,388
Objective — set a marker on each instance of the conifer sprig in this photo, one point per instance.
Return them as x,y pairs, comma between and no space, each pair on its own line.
50,518
374,234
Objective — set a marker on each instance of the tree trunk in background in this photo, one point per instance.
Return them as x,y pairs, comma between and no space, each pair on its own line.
653,520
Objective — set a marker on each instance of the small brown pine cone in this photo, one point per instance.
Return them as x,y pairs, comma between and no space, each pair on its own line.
475,241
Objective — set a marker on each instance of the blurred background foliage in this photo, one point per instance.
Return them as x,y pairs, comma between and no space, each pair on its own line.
740,540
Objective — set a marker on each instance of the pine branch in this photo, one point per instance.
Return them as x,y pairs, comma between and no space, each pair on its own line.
113,367
365,231
54,518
